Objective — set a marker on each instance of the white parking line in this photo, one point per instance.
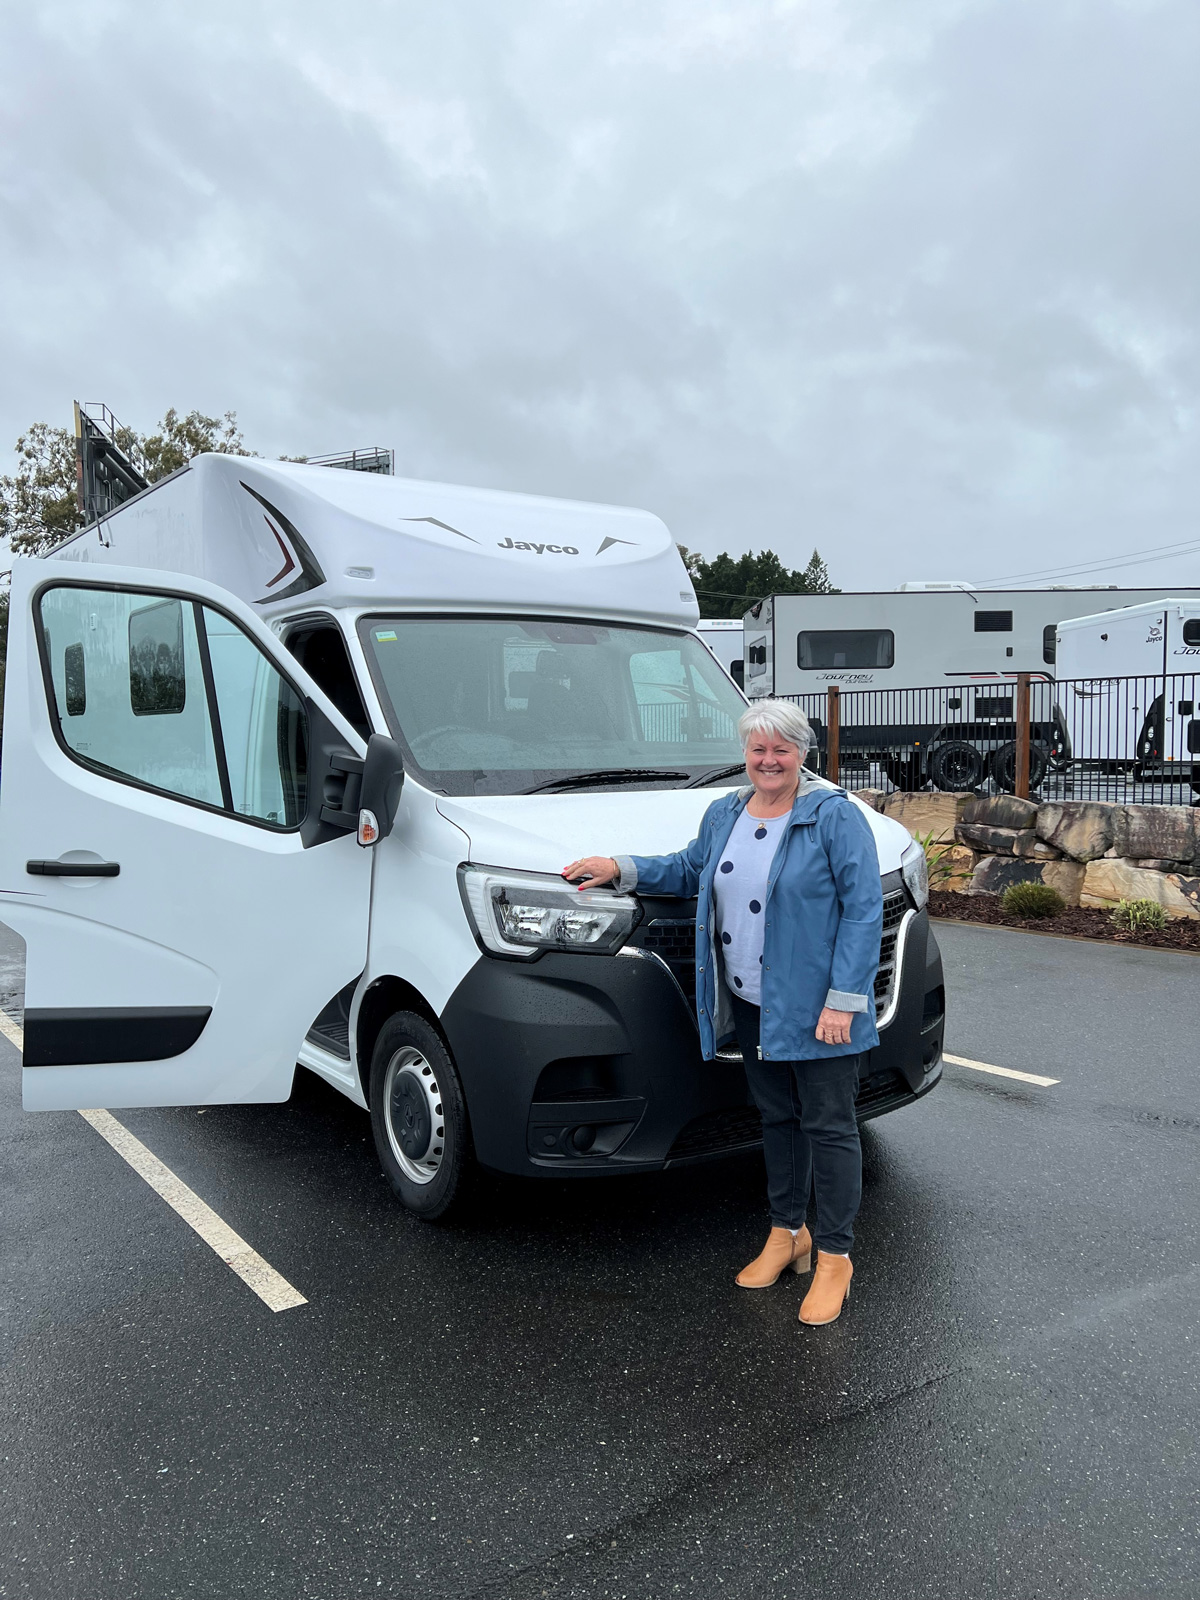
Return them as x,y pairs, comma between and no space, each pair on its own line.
1001,1072
270,1286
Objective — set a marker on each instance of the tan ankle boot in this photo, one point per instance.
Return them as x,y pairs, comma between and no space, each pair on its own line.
830,1290
779,1253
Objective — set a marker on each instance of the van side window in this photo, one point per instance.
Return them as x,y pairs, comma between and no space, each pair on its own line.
172,696
137,658
321,650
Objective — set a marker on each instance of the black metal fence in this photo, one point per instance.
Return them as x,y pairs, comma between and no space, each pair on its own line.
1130,739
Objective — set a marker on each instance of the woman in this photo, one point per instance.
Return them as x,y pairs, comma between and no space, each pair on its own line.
788,920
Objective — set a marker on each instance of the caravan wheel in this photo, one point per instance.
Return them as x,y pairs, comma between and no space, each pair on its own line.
905,772
956,765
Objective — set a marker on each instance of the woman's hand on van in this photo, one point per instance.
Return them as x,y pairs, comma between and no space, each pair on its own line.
595,870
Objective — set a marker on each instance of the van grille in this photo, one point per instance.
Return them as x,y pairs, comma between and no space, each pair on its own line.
673,940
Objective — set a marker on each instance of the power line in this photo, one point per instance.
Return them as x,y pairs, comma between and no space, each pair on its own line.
1159,552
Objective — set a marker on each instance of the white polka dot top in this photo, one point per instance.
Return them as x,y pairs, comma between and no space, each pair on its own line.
740,885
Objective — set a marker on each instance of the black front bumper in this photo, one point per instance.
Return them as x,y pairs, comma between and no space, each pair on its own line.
583,1065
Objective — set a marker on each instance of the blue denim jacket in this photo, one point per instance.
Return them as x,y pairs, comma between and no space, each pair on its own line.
823,919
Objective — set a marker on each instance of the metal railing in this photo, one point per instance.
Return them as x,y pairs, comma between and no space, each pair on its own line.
1128,739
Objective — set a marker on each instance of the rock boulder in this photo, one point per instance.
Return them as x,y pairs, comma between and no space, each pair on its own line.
1081,829
1001,811
927,814
1165,833
1108,881
994,874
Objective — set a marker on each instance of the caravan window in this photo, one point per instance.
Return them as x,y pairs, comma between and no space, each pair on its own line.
993,622
850,648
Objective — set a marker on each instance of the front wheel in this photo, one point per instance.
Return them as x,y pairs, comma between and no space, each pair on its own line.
419,1116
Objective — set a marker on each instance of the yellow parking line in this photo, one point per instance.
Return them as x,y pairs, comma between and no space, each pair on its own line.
1001,1072
270,1286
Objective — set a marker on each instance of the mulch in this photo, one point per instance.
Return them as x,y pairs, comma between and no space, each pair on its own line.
1080,922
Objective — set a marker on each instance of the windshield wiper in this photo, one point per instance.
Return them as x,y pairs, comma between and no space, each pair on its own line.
590,780
713,774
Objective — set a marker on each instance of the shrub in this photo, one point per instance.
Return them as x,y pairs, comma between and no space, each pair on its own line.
1137,916
1032,900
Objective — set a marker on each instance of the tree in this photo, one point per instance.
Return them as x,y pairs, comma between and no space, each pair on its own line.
38,502
728,585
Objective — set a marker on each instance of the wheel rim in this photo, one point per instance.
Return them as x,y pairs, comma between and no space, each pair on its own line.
412,1110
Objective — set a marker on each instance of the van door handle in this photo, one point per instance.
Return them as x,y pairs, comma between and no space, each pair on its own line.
73,869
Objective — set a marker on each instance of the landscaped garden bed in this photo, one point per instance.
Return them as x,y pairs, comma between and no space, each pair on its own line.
1085,922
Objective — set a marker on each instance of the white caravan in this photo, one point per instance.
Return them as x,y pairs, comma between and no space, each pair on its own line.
1128,684
913,637
927,673
723,636
223,690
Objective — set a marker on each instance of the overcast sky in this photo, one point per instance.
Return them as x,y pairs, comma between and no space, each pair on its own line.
913,281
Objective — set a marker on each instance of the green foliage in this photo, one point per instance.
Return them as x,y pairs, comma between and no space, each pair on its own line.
940,868
38,502
38,506
1138,916
1032,901
728,585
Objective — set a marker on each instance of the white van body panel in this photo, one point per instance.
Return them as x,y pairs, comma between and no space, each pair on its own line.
208,909
542,833
281,535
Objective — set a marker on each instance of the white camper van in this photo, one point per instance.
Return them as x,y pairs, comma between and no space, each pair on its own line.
1128,683
723,636
292,761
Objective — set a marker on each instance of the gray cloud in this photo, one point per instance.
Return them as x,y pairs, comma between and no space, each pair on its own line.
915,284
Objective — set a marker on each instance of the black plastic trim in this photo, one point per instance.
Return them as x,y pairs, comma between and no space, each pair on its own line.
74,869
73,1036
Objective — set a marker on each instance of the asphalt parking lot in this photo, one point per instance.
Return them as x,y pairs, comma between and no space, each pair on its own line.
564,1395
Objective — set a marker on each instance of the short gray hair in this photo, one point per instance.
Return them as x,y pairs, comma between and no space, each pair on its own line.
779,717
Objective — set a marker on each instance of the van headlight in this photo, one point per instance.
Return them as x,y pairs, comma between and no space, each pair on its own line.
522,913
915,870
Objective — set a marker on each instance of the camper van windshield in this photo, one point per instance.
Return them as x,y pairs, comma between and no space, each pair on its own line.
500,706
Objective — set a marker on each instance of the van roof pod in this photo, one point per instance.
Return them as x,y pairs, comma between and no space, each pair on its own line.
284,536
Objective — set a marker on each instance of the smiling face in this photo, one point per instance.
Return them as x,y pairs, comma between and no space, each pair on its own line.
773,767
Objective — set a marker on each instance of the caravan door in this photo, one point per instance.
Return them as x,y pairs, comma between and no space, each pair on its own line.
172,849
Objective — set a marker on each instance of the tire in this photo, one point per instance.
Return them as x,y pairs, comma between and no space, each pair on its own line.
956,765
1003,766
419,1117
904,772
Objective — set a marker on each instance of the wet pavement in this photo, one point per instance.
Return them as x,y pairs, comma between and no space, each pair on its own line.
563,1395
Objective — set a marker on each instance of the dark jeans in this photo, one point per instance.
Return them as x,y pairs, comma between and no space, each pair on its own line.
810,1135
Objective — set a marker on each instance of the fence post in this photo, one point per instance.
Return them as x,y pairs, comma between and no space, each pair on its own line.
833,743
1021,784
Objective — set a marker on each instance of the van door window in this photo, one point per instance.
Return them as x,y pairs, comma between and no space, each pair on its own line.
143,714
263,725
173,696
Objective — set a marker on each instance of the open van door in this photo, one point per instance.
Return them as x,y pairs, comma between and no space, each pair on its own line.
175,844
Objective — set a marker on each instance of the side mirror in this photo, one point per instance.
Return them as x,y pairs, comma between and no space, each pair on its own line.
379,794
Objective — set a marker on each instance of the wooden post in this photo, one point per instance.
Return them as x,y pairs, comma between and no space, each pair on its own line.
833,749
1021,784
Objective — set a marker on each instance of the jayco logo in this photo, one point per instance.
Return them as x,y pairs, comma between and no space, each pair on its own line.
539,549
